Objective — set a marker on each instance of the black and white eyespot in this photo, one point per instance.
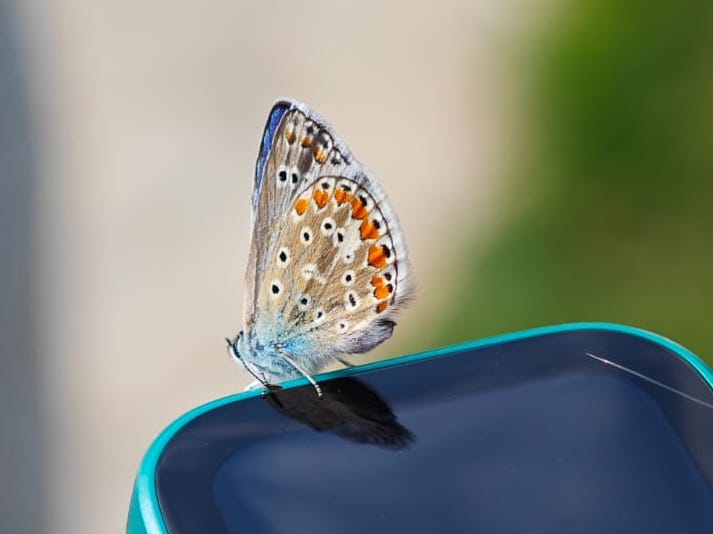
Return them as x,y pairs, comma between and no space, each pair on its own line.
342,326
348,257
319,316
351,300
304,302
281,176
328,226
348,278
338,237
306,235
275,289
283,257
294,177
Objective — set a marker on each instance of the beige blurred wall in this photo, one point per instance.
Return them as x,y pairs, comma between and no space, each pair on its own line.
149,115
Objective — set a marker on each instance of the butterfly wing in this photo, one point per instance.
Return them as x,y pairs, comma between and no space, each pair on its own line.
328,264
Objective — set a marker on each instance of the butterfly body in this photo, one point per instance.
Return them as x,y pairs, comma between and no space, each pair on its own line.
328,265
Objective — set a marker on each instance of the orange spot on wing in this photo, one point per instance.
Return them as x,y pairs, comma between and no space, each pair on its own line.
377,281
290,136
359,210
320,197
341,196
368,230
320,155
382,292
377,258
301,206
381,306
307,142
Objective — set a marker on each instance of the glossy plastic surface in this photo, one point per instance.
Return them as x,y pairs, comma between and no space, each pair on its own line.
524,433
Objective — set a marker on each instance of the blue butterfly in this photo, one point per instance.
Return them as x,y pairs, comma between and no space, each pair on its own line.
328,266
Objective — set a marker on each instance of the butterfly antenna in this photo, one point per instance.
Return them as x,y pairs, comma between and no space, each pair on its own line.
303,373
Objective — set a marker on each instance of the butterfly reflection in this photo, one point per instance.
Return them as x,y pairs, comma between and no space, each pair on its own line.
349,408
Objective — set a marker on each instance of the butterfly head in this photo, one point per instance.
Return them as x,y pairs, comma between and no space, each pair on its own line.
233,345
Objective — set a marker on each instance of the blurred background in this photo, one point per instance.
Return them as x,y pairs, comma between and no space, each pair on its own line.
550,160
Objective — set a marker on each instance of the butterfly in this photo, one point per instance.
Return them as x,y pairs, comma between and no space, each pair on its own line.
328,266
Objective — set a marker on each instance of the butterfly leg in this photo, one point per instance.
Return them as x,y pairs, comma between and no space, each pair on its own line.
344,362
303,373
261,380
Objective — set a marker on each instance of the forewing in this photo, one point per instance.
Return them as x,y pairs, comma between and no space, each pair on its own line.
291,154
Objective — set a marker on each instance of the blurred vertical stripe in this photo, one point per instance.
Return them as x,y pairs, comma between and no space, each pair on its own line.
21,437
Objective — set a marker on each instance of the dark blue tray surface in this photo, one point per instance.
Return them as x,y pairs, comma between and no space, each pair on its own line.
527,435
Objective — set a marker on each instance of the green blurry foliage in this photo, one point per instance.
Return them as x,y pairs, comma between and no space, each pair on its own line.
612,197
